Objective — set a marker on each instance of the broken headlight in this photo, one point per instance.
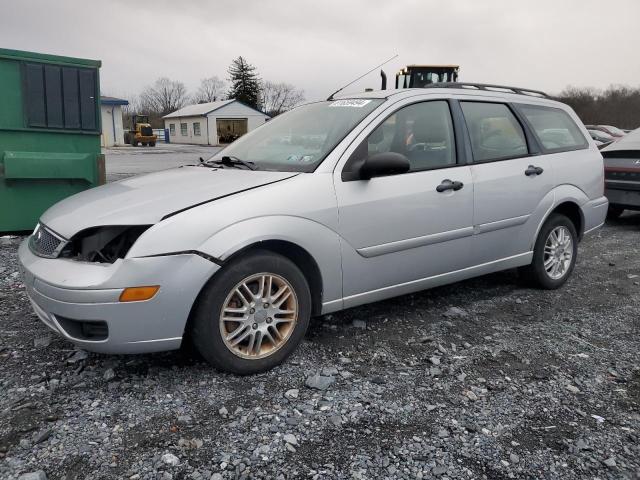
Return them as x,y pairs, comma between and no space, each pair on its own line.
103,244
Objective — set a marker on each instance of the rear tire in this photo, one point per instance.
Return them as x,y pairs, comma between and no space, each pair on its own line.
265,332
614,212
554,254
152,144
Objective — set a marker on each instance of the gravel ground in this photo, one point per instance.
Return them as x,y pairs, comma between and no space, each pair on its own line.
481,379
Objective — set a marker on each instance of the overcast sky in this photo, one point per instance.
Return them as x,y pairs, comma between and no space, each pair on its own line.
320,45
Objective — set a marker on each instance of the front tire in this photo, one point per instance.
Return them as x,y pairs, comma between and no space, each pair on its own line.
554,254
252,314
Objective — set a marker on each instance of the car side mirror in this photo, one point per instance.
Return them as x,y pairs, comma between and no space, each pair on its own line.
383,164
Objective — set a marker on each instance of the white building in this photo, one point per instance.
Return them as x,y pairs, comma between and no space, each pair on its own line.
212,123
111,113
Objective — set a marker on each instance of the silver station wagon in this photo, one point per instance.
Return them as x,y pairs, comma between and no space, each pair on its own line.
329,206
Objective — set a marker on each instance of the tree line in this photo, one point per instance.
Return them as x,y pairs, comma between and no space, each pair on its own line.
243,83
618,105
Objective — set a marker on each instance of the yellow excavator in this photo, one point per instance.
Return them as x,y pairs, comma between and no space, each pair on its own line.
418,76
140,133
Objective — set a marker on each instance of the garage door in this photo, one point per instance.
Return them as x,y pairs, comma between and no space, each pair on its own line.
230,129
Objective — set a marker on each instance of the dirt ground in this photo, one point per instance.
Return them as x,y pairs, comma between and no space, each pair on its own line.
481,379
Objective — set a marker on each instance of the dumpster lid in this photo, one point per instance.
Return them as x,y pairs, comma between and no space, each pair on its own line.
47,58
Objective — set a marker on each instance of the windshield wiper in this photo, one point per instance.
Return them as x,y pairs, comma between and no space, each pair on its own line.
205,164
232,161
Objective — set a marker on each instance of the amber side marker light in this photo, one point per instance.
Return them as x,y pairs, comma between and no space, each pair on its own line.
138,294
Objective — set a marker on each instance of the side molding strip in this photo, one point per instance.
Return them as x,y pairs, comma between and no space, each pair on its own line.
415,242
398,246
500,224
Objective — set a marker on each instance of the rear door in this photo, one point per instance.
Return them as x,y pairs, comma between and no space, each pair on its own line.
400,229
511,178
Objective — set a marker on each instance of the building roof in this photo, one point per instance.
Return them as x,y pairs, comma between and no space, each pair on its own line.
203,109
113,101
199,109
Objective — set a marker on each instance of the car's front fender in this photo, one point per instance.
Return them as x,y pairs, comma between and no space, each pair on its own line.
319,241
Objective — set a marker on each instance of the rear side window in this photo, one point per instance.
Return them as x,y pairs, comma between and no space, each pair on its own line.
495,132
555,129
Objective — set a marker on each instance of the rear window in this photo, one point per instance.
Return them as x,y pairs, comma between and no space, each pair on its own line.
495,132
555,129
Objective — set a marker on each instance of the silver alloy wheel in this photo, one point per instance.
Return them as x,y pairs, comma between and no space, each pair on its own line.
558,252
259,315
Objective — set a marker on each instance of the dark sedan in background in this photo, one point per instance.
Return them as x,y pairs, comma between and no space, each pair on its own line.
622,174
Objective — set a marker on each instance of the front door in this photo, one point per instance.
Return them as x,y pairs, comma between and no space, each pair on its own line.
402,229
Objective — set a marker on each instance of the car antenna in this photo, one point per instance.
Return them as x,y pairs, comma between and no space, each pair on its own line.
354,81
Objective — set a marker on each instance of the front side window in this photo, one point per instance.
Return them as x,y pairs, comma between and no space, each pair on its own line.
554,127
183,129
495,132
422,132
299,140
196,129
172,128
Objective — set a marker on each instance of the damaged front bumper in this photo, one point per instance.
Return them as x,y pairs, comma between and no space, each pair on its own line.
80,300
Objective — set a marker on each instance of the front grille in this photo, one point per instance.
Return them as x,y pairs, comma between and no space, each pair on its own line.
146,131
45,243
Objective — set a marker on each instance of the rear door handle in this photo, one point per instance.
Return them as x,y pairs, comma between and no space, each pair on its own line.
449,185
533,170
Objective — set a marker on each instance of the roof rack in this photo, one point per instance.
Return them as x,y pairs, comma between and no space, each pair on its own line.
489,88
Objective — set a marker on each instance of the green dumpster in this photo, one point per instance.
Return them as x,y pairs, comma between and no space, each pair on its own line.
49,133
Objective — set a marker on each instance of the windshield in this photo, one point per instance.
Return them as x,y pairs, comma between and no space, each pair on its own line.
297,141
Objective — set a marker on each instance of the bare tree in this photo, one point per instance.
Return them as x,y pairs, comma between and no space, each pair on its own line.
134,108
210,90
164,97
280,97
618,105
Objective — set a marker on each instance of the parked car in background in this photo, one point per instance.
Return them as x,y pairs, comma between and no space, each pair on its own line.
611,130
622,174
601,138
408,189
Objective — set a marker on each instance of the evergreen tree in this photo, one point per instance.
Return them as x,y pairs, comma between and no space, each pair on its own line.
245,83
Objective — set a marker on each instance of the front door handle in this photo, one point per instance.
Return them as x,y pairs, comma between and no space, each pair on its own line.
533,170
449,185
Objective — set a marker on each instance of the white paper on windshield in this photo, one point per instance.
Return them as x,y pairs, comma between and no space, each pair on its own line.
353,103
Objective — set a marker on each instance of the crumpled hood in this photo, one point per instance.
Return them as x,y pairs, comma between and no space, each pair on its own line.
146,199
